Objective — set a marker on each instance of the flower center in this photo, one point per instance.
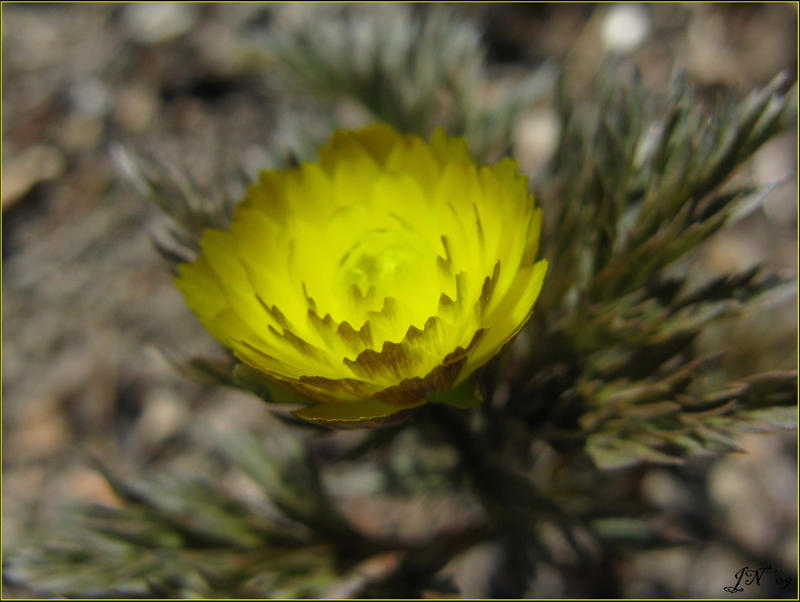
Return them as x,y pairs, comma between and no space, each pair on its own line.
379,264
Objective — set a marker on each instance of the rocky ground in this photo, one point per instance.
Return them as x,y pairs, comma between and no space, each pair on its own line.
87,301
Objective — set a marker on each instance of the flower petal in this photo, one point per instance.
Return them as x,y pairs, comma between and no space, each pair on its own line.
374,280
368,412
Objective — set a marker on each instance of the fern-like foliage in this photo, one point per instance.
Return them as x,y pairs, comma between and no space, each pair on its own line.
649,189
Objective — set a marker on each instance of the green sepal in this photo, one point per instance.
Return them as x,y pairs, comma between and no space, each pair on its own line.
465,395
249,379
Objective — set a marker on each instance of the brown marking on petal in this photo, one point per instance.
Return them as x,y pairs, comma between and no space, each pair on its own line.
273,311
346,255
445,263
418,337
305,389
347,386
461,288
447,307
367,364
439,379
487,290
460,352
318,388
413,334
365,333
396,360
349,335
323,326
352,337
389,308
258,351
400,358
402,222
355,293
300,344
478,224
444,267
453,209
432,324
385,319
359,298
448,258
309,300
445,301
414,389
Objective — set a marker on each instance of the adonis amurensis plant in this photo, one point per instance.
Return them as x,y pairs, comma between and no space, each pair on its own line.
543,332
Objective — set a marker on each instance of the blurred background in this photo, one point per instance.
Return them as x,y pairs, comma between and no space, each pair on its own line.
87,301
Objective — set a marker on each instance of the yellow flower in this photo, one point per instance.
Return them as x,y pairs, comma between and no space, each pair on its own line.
383,275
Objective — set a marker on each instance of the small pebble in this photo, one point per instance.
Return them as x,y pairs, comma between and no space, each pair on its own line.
625,27
153,23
